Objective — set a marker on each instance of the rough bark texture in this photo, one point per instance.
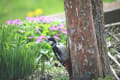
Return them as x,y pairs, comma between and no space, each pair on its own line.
97,10
84,53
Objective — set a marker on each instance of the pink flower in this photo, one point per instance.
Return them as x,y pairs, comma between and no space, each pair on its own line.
60,26
64,31
29,19
41,17
9,22
21,31
16,21
37,29
56,37
35,18
39,39
30,37
53,18
53,28
47,20
19,23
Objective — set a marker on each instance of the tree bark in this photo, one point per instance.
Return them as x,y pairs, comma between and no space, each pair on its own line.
85,60
83,44
98,17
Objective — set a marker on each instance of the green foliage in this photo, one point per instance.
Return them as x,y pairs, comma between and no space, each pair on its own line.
21,54
17,57
63,78
109,0
107,78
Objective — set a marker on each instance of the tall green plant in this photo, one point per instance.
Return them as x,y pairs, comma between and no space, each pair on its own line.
17,57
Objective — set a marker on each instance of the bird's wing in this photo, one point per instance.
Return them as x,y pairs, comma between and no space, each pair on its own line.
57,53
64,52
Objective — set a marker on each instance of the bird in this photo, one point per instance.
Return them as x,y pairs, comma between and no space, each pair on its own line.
62,54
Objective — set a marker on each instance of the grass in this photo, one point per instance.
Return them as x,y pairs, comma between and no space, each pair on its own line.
17,58
109,0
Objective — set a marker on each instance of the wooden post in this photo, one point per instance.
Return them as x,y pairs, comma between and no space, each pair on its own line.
84,53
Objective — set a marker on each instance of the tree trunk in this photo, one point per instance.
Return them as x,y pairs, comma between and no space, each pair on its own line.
97,9
83,45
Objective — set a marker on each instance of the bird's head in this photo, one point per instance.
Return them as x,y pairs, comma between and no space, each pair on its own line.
51,41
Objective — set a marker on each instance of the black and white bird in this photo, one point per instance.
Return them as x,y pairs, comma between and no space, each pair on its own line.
61,52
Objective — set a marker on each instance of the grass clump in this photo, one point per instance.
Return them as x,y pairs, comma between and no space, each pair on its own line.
17,57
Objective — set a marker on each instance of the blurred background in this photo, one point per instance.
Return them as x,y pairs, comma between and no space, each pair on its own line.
12,9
